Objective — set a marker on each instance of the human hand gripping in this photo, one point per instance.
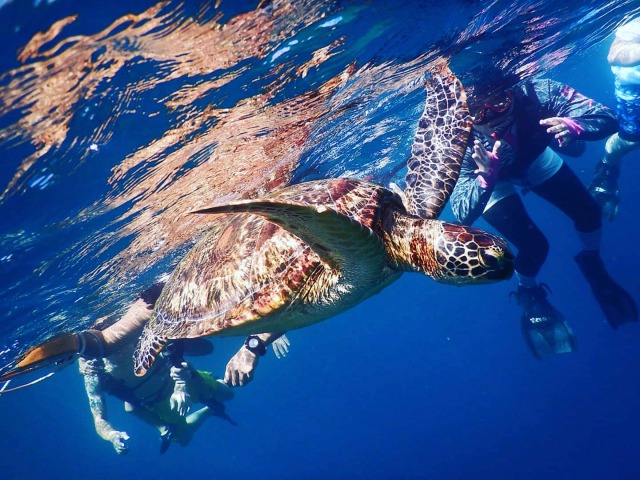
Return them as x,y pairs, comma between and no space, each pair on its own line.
180,400
564,129
488,164
240,368
117,439
281,346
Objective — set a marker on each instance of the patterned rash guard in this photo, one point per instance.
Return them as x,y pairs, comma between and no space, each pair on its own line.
533,101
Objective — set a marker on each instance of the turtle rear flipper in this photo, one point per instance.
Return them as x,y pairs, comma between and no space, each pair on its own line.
438,146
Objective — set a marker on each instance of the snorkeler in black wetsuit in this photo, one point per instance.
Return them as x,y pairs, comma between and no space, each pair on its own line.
514,141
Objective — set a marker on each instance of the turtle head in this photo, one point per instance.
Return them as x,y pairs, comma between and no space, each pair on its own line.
463,255
451,253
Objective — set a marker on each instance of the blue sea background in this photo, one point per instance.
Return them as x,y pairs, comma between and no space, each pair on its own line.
422,380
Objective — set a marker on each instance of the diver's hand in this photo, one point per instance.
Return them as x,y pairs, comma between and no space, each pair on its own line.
488,163
180,400
240,368
281,346
564,129
117,439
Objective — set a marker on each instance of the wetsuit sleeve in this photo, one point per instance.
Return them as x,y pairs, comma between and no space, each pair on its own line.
596,120
468,199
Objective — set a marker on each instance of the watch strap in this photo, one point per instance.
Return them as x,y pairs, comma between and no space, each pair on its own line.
255,345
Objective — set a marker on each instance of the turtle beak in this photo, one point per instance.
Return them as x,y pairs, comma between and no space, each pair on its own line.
498,261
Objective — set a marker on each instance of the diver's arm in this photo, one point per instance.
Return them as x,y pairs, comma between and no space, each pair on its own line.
242,365
98,407
624,53
583,117
102,343
129,324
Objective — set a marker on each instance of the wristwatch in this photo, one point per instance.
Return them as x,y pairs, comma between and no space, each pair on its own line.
255,345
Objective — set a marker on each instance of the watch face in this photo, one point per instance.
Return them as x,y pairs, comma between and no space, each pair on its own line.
254,342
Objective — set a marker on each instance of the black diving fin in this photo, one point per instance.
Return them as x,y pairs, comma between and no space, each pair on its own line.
616,303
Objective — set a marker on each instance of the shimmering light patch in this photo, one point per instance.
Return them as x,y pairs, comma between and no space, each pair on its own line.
247,148
227,123
330,23
280,52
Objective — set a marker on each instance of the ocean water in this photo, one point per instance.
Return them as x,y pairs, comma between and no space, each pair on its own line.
118,119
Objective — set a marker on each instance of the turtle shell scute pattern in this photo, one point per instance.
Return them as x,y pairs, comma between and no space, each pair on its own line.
253,268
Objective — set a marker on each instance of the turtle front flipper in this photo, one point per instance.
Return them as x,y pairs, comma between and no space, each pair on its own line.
439,145
341,242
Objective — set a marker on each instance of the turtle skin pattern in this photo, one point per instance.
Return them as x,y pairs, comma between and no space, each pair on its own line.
438,147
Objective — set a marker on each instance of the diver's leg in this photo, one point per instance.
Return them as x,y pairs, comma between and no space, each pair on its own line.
145,415
192,422
604,186
544,328
197,418
203,386
565,191
149,417
212,392
509,217
206,389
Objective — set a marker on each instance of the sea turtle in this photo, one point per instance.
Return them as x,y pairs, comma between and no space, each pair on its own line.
312,250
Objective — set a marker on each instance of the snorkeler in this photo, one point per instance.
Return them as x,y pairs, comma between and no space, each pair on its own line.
163,397
516,133
624,59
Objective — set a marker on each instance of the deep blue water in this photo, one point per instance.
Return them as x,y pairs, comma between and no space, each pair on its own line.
422,380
